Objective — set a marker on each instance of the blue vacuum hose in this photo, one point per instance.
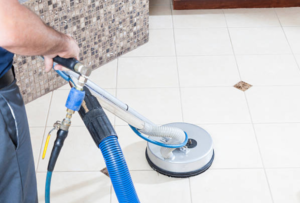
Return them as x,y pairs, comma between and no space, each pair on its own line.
118,170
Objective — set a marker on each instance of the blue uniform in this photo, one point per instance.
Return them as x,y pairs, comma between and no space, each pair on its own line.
6,60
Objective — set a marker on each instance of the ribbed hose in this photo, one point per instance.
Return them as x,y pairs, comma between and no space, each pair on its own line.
118,170
47,188
177,135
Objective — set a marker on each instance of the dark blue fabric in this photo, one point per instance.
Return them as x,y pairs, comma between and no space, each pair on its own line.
6,60
17,173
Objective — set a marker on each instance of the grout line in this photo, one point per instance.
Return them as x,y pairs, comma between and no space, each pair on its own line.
177,66
233,51
158,56
110,193
190,185
243,123
255,168
207,55
94,171
260,153
198,87
45,128
199,28
190,87
282,27
249,111
199,55
117,79
180,93
278,123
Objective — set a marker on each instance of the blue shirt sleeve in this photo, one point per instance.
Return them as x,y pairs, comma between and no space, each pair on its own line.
6,60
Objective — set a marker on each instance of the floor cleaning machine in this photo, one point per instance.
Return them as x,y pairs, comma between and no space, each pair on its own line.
177,150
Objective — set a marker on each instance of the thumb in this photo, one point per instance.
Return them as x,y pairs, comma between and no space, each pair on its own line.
48,64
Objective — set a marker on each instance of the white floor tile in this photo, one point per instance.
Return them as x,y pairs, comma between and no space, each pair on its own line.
64,87
106,76
264,17
141,72
149,83
58,110
133,148
153,187
36,135
160,105
269,69
274,104
284,185
79,152
205,41
198,18
195,71
160,17
289,16
79,187
161,43
214,105
231,186
292,34
259,40
235,146
297,56
279,144
37,111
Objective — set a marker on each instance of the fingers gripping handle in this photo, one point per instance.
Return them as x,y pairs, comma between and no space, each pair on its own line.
74,65
68,63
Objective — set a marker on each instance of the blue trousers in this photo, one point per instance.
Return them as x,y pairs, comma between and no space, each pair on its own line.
17,171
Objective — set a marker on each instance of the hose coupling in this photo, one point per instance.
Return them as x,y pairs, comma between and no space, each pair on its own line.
81,82
95,118
66,123
75,99
83,70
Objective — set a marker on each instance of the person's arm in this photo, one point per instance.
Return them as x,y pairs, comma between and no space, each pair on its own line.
23,32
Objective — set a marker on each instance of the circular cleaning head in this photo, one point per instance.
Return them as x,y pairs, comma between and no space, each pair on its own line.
191,160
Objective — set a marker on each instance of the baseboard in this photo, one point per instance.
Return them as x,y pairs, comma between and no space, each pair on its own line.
217,4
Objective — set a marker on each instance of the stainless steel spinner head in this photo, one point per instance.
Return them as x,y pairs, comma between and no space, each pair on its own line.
195,158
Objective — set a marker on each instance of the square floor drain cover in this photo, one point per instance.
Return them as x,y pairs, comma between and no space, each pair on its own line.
242,86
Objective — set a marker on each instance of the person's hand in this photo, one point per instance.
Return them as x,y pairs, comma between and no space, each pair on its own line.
71,50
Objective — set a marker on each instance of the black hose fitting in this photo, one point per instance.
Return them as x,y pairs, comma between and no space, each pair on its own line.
95,118
58,144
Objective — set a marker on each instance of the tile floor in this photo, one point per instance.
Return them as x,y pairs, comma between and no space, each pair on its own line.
186,73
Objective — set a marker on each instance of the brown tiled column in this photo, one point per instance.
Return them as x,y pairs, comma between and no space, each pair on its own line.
103,29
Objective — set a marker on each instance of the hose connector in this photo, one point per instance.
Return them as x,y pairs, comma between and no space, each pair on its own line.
75,99
95,118
58,144
83,70
66,123
85,73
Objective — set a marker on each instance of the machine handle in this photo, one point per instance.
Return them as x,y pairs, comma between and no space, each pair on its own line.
69,63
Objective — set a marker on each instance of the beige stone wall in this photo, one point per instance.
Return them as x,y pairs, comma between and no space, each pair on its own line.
103,29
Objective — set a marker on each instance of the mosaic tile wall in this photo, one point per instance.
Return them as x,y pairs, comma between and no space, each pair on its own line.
104,29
